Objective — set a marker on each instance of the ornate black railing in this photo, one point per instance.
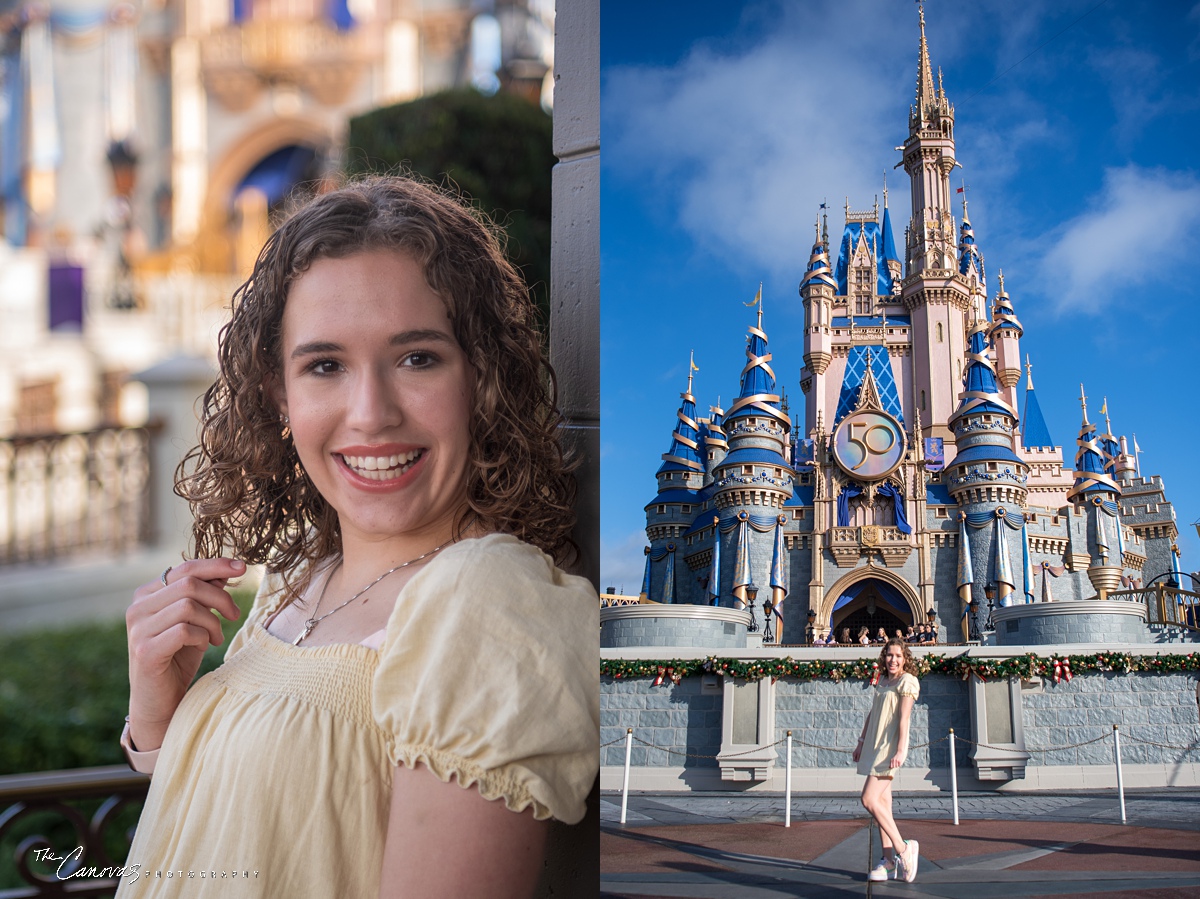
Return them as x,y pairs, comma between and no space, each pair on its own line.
56,826
63,493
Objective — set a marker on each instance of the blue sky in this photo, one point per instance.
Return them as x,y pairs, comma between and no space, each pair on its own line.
723,126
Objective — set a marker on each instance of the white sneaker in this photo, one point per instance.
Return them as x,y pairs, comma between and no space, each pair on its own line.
883,871
907,863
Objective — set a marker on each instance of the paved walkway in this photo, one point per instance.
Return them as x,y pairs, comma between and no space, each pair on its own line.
713,846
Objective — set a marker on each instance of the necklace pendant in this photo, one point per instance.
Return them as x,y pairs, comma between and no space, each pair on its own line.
308,626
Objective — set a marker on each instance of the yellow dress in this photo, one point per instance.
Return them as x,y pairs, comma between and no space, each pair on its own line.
275,776
883,725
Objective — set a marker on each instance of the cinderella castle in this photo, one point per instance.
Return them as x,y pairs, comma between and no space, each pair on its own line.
917,486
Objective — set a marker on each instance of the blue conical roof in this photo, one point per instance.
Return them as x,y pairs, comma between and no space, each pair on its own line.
684,454
757,395
1034,431
818,271
983,393
1090,476
889,245
1004,317
969,256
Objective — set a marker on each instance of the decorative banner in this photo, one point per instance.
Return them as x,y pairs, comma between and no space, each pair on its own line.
966,576
1006,584
1027,565
778,572
668,594
741,575
935,454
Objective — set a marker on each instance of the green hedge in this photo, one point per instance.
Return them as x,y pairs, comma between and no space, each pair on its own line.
64,694
496,150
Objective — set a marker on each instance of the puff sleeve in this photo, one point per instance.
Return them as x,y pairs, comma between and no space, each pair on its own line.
490,672
909,686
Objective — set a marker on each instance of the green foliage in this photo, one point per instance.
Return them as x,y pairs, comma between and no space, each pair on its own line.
1060,667
496,150
64,694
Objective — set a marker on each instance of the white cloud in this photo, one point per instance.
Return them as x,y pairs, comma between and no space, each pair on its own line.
1142,223
742,147
622,563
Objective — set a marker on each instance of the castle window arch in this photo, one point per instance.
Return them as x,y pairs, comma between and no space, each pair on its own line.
939,332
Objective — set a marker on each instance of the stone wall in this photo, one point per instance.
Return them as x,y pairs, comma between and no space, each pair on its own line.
685,719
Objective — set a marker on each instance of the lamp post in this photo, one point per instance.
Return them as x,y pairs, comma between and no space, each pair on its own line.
768,633
751,597
990,592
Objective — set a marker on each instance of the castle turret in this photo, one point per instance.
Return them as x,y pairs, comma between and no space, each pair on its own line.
1006,336
938,295
929,159
1095,494
985,469
817,289
716,444
755,479
680,478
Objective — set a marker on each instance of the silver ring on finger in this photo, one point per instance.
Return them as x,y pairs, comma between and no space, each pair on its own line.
163,577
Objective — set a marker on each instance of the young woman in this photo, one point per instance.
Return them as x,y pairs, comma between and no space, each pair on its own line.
864,637
846,639
880,752
415,690
881,637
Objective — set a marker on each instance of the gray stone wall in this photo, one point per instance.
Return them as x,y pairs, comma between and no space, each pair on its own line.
1148,707
644,631
1157,707
828,714
1038,630
681,717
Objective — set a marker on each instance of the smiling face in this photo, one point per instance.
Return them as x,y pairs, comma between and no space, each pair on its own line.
893,660
378,393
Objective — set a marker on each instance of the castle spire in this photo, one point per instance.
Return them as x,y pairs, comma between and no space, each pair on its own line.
925,94
757,395
1090,474
684,454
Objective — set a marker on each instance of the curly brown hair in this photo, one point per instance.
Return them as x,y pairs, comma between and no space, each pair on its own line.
910,664
246,486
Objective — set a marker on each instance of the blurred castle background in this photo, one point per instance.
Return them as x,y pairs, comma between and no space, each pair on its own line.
144,147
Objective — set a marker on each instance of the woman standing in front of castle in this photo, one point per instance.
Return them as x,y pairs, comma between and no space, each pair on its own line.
415,691
882,750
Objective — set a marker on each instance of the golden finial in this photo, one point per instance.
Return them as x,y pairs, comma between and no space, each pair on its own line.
1083,403
692,367
1028,365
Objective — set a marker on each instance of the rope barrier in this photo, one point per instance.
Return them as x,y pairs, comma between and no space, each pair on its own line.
629,739
1194,747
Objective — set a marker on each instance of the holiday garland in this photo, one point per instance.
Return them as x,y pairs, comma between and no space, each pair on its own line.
1058,667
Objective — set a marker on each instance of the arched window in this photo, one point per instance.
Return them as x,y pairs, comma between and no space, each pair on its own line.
939,332
922,400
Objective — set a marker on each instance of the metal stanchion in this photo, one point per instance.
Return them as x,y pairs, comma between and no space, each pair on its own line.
787,784
953,778
625,785
1120,775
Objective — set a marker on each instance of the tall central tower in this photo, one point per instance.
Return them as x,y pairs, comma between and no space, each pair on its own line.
934,291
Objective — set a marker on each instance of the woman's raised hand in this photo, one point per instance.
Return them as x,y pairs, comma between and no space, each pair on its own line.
170,625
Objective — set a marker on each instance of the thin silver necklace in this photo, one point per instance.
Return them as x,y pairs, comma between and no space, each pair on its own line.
314,621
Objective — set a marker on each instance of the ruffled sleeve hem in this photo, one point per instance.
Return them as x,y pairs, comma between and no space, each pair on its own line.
492,785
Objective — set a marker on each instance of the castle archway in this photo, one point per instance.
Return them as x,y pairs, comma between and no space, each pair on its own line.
872,598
